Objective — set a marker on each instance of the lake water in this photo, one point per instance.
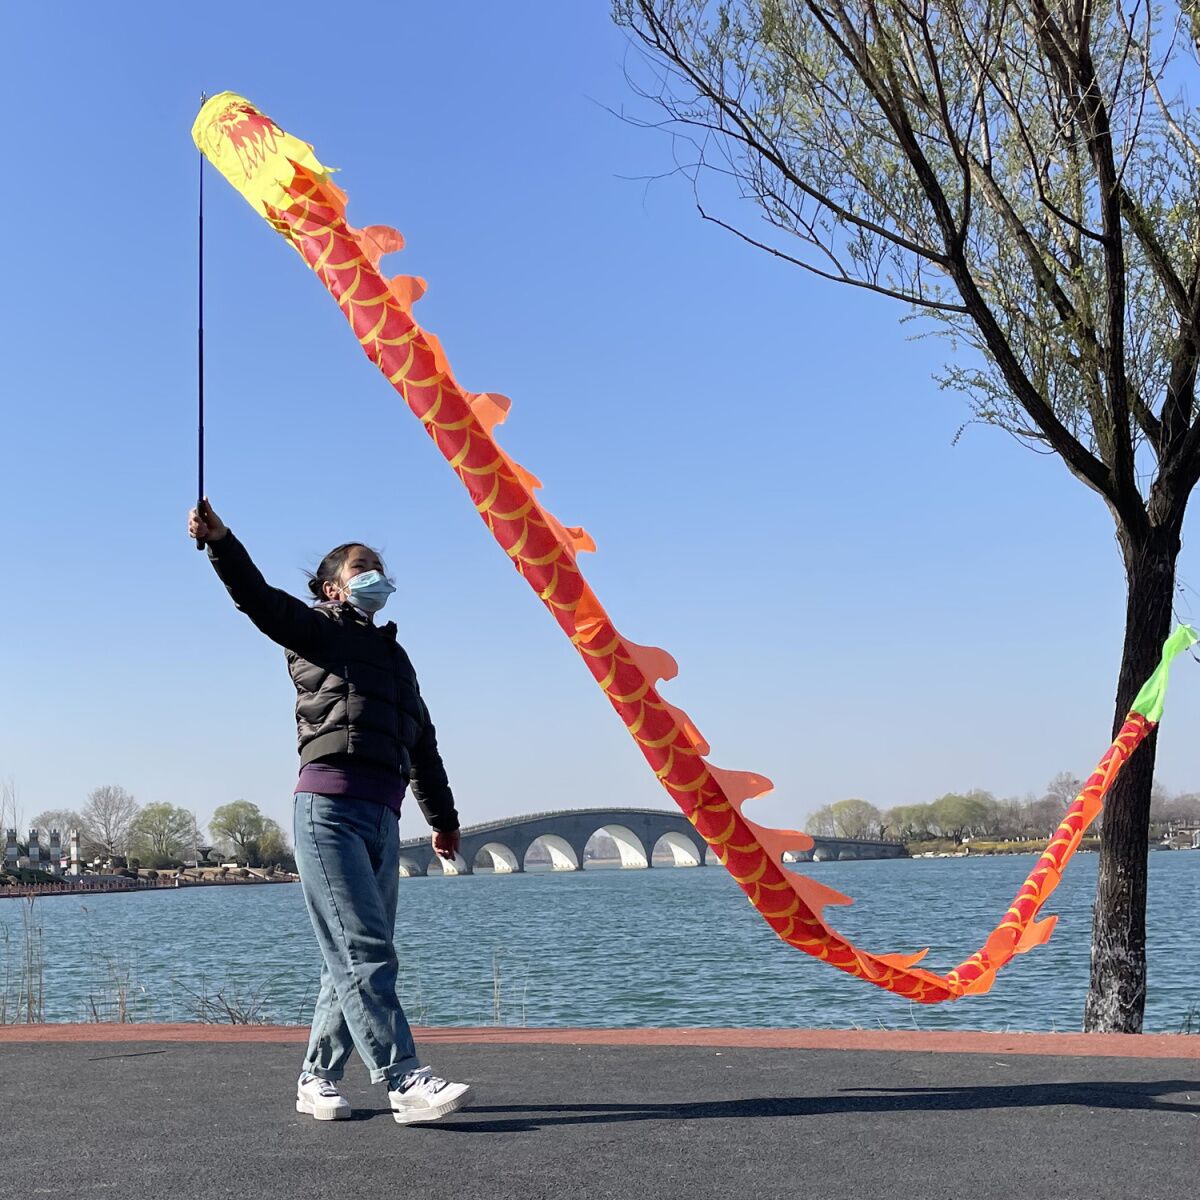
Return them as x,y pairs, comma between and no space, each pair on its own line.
611,948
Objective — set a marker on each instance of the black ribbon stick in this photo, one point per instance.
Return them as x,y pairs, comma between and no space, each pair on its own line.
200,505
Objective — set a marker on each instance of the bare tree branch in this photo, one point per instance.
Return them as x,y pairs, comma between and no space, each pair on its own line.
1018,171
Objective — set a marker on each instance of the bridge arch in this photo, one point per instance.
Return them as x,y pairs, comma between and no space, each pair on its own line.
682,850
630,848
496,857
562,853
443,866
410,867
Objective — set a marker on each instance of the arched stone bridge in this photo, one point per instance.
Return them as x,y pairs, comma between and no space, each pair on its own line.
639,833
831,849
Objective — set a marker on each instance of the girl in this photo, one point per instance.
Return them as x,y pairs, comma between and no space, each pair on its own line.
364,737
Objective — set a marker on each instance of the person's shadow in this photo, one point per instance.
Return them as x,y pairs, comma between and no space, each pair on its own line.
1132,1097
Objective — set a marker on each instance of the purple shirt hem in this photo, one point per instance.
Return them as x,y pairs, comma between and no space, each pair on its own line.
360,782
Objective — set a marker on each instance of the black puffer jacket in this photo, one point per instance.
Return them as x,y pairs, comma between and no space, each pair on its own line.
356,691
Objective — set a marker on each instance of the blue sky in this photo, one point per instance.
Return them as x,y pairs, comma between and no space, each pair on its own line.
762,458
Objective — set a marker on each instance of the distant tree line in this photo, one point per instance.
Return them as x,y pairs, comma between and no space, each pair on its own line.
957,816
114,827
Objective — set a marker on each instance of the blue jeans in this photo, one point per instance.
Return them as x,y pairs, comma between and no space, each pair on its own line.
347,852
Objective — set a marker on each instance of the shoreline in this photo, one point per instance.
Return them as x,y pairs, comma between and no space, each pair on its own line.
1075,1045
39,890
109,887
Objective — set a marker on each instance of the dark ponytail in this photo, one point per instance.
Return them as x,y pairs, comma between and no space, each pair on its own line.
331,567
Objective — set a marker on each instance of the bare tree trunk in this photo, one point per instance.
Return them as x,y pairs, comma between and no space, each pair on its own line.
1117,995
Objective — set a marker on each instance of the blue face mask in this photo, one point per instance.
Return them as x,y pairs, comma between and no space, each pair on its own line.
369,591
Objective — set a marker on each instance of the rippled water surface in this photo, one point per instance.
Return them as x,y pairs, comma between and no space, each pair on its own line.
610,948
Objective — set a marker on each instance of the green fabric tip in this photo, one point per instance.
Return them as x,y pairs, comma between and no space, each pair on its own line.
1150,699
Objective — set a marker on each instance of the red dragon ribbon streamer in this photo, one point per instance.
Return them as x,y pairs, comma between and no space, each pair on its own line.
282,178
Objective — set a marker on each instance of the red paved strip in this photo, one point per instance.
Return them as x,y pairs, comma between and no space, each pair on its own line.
1081,1045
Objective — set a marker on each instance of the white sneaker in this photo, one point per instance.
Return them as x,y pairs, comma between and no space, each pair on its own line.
422,1096
320,1099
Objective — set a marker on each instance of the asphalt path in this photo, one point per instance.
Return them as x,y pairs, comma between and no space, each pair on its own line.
155,1118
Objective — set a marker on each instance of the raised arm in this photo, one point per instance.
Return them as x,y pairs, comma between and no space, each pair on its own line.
282,617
